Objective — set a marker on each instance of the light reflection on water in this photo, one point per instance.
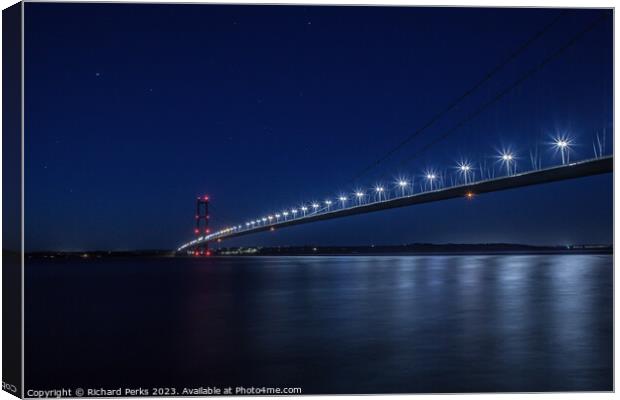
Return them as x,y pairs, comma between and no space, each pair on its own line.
327,324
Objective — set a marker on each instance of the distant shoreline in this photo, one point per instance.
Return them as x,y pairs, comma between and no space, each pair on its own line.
400,250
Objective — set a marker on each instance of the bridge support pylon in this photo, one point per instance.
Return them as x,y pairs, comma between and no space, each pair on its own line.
202,225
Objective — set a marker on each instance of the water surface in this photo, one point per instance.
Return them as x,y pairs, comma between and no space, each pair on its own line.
363,324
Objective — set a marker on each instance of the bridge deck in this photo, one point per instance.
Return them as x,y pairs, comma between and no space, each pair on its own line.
563,172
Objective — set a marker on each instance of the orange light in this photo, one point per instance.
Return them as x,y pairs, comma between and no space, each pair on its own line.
469,195
272,229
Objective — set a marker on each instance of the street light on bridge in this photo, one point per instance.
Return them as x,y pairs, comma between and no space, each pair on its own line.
379,190
465,169
431,176
563,144
509,160
359,194
402,184
328,203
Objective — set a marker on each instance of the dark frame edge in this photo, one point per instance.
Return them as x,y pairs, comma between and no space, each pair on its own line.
12,201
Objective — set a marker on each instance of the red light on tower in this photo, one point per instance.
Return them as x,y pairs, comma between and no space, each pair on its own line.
196,231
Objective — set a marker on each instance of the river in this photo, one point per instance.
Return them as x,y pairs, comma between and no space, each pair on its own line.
343,324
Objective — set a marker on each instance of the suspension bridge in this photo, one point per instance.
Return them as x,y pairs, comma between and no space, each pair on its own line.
466,183
466,179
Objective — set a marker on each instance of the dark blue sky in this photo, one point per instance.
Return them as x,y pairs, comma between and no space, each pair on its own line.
133,110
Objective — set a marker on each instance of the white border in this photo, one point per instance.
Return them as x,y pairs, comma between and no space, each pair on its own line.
479,3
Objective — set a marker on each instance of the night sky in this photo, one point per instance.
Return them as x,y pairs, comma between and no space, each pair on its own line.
134,110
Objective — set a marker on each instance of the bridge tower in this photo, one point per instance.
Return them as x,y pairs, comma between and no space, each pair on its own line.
202,224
